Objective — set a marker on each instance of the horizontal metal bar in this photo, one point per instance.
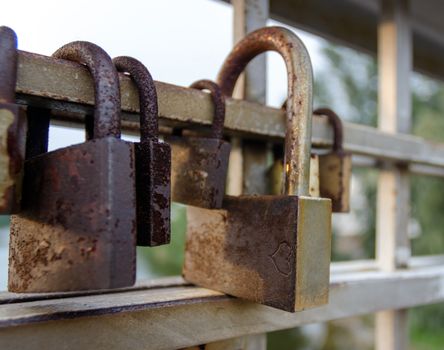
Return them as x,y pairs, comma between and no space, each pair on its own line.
418,169
67,86
168,317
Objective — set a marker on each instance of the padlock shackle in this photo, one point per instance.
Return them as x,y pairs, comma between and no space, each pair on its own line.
107,119
300,86
217,128
149,111
8,64
336,123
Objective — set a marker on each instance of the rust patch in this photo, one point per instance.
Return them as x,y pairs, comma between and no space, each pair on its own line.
199,170
107,120
200,164
65,238
335,167
298,111
153,161
12,126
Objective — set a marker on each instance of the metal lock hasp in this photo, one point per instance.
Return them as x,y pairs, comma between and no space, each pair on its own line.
200,164
335,167
76,230
274,250
153,161
12,126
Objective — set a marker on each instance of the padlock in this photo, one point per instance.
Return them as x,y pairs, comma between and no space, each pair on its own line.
271,249
200,164
330,173
335,167
153,161
12,126
77,227
276,169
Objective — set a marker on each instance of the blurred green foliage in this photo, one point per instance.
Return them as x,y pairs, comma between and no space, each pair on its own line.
167,260
4,220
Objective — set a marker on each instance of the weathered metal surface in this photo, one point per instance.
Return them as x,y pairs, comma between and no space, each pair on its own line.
298,113
200,164
335,167
273,250
43,81
105,84
277,168
262,249
12,126
76,230
251,342
314,190
153,161
175,309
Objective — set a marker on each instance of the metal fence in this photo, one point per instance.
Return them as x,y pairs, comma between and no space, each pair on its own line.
170,314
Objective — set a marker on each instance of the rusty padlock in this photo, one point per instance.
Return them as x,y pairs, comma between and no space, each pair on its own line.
12,126
272,249
153,161
76,230
200,164
276,169
335,167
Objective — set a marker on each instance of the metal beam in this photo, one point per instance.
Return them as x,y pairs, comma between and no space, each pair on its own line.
43,81
168,317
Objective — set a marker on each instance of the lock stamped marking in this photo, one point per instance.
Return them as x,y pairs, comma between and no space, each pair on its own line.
281,259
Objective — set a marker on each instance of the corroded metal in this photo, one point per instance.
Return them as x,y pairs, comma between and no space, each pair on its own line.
273,250
217,127
200,164
298,112
12,126
153,161
47,82
77,226
105,77
335,167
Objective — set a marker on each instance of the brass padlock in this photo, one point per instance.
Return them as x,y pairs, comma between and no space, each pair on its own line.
153,161
335,167
272,249
12,126
199,164
77,226
276,169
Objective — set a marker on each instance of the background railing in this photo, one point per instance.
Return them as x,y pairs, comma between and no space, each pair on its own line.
168,313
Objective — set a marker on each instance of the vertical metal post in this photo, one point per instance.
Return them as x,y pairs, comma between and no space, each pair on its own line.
248,161
393,200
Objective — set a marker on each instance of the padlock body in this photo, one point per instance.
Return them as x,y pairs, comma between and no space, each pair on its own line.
12,155
199,170
334,179
273,250
153,192
77,227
